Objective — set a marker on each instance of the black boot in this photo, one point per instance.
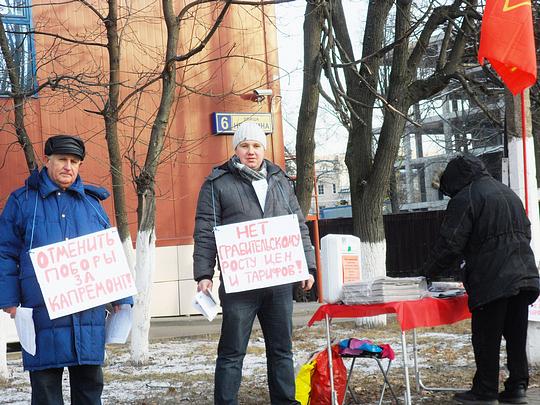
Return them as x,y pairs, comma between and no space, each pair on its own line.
515,396
469,398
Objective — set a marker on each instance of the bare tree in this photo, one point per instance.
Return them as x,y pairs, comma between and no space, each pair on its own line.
11,50
24,141
355,94
305,142
145,179
114,93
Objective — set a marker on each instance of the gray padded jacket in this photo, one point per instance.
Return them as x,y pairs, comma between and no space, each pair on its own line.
227,198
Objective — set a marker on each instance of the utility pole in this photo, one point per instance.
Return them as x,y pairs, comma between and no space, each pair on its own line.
517,176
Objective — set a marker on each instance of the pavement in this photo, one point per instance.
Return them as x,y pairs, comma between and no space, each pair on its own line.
196,325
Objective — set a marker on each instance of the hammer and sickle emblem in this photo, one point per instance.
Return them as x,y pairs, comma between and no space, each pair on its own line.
508,6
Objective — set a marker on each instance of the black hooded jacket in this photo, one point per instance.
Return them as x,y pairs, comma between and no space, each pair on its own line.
486,225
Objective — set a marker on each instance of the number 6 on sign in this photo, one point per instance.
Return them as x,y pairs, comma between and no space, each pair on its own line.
225,123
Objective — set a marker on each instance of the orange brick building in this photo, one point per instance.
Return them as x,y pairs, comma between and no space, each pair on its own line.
67,40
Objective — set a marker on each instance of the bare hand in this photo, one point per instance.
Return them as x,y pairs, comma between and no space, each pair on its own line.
11,311
307,284
205,286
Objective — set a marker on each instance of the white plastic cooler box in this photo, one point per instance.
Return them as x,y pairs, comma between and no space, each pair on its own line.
340,256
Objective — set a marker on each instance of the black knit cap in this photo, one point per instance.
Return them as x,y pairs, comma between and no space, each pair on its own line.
65,144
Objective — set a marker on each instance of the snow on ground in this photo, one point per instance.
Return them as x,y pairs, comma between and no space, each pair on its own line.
181,370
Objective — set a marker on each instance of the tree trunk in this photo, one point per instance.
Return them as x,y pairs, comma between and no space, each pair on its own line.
359,155
307,118
370,167
146,207
144,268
366,208
110,114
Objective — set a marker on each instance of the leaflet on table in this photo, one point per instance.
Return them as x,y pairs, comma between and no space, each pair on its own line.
447,293
446,289
206,305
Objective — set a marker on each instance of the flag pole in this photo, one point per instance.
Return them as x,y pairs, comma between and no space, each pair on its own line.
524,142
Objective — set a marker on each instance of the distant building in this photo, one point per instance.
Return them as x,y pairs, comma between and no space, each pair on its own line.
450,123
332,179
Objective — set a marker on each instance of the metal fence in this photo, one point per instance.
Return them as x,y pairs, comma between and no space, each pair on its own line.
409,239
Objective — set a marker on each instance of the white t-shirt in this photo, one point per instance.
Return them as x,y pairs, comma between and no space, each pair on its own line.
261,187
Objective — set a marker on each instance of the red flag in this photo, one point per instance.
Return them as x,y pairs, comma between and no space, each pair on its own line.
507,40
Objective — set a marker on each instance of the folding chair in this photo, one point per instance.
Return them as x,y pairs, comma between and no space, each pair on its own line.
374,356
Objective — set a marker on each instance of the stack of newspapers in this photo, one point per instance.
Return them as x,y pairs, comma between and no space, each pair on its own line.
385,289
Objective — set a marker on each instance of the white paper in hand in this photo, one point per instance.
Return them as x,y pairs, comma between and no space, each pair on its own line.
25,329
206,305
118,325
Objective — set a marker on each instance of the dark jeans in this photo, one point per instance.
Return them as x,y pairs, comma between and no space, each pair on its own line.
86,385
506,317
273,307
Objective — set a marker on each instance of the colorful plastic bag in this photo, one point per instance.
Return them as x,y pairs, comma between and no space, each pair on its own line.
303,382
320,381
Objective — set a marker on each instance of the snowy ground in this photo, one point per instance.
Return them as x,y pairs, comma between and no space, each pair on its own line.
181,370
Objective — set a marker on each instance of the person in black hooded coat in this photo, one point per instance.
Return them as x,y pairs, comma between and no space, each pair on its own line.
486,228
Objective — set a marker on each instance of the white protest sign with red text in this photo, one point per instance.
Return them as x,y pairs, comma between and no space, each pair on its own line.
261,253
82,273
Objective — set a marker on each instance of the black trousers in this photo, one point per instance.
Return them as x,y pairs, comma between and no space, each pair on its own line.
506,317
86,385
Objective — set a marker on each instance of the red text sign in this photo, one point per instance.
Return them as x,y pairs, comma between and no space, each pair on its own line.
261,253
82,273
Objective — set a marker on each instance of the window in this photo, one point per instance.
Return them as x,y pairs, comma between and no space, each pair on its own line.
334,189
320,189
16,17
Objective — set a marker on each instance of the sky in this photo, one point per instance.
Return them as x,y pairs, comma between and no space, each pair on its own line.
330,134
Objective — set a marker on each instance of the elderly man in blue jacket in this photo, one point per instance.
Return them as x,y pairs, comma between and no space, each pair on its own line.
54,205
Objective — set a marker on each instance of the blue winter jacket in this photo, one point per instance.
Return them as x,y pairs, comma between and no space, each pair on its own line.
38,214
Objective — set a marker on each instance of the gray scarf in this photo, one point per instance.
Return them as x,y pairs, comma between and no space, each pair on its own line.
247,172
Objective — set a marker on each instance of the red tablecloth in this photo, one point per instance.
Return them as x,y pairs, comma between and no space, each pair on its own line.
410,314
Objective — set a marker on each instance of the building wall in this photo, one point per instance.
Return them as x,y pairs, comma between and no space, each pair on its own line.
241,56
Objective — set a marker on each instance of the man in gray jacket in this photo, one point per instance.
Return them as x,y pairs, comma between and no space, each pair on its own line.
249,187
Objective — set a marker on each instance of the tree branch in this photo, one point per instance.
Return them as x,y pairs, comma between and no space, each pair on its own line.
208,36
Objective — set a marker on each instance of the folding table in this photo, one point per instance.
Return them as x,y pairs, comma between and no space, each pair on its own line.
414,314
